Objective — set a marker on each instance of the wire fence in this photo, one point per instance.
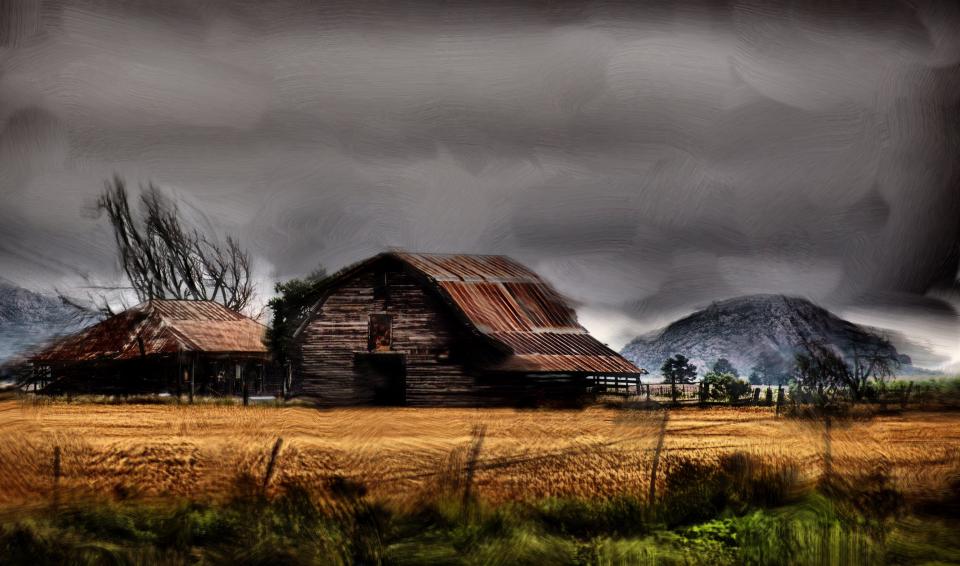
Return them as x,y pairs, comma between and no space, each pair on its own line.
886,395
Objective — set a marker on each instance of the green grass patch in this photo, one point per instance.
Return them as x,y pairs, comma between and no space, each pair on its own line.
736,512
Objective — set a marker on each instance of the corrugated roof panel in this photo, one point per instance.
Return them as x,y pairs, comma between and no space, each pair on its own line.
161,327
468,267
427,265
464,267
553,343
219,336
194,310
541,363
487,305
511,269
544,307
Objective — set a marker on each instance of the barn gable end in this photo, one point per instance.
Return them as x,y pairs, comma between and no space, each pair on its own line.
335,363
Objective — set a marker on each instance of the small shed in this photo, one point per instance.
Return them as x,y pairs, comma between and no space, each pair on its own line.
434,329
175,346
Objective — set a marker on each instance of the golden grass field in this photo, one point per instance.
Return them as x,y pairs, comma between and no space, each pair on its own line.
200,450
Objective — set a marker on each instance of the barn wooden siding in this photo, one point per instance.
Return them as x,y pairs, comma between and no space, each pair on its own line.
422,330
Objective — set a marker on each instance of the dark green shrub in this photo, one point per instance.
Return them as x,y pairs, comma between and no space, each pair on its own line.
694,493
616,516
871,495
698,491
725,386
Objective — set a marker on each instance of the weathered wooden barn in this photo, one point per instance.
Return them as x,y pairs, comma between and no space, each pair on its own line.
182,347
428,329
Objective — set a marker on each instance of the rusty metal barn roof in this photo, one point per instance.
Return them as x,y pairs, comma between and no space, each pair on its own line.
162,327
512,306
463,267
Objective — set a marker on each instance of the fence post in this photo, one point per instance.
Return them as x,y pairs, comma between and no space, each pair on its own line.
906,395
271,465
478,434
827,451
651,497
56,475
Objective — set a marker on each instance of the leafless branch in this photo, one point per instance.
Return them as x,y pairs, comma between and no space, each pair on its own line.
164,259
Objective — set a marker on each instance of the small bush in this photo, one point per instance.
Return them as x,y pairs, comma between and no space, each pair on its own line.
725,386
696,491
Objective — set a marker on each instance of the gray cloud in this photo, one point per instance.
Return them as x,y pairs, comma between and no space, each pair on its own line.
647,157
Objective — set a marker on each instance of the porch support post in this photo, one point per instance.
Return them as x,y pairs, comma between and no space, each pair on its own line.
246,389
193,376
236,377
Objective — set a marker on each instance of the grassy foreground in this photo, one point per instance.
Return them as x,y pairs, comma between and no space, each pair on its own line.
145,484
737,512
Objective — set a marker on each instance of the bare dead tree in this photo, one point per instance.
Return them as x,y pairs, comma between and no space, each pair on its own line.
165,259
872,363
86,312
827,373
820,372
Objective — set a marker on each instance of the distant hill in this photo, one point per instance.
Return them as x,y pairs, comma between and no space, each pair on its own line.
28,318
746,328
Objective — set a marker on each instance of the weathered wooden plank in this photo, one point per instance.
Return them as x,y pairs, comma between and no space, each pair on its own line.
422,329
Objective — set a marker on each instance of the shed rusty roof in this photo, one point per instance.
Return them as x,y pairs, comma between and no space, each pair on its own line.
516,309
162,327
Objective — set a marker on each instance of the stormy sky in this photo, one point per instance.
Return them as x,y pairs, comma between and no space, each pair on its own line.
646,158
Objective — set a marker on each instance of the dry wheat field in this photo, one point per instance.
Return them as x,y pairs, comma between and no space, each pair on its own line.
200,451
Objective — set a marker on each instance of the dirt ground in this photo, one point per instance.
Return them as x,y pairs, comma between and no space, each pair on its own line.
201,451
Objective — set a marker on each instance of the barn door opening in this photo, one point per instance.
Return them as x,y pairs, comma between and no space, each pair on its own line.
384,377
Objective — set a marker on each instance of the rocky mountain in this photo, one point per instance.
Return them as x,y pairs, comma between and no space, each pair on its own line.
748,329
28,319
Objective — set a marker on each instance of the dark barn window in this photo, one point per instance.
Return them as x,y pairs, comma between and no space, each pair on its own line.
379,338
381,288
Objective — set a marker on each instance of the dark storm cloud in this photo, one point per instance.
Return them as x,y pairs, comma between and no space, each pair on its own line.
647,157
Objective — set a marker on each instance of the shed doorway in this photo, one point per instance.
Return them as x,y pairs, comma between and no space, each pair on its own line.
383,377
